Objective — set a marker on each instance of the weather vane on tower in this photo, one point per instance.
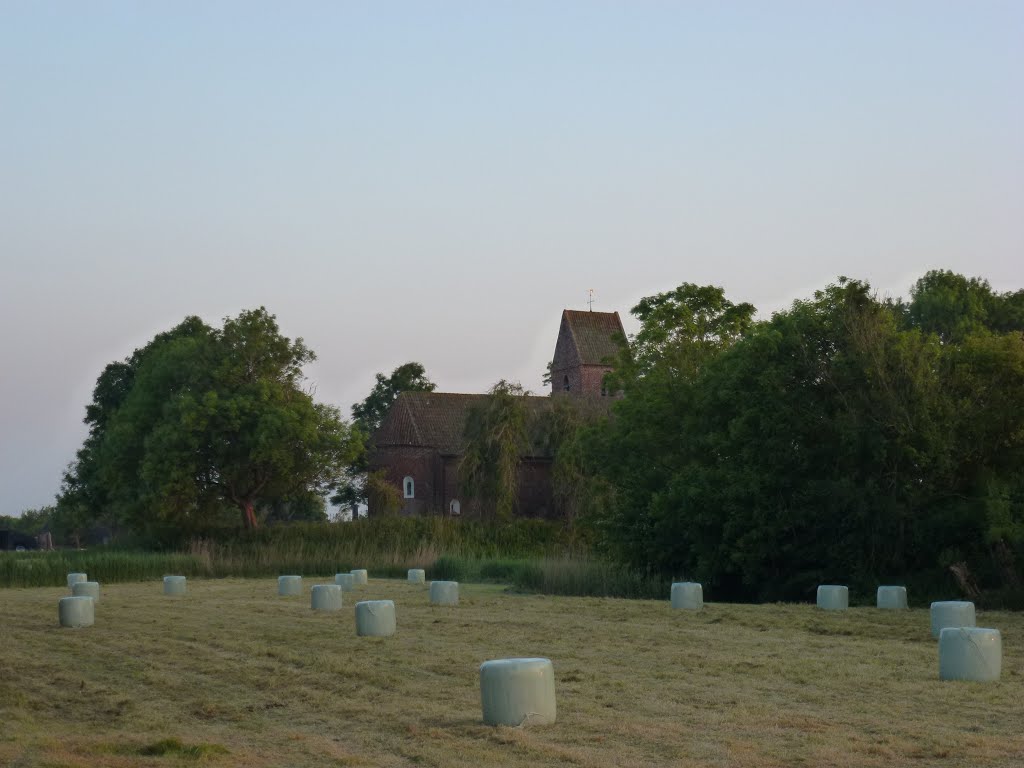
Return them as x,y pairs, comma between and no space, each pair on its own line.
590,298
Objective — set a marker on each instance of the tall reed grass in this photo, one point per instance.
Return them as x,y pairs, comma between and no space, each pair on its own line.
385,546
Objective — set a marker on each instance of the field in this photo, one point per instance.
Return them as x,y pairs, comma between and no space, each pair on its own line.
233,675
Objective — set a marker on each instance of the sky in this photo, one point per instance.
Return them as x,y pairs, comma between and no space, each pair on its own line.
437,181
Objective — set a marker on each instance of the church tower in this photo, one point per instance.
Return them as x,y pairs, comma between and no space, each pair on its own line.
585,351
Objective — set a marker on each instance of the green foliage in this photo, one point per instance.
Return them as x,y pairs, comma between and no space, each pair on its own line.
497,437
201,422
356,485
386,546
410,377
954,307
844,439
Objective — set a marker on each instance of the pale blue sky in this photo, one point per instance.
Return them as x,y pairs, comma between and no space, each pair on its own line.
436,181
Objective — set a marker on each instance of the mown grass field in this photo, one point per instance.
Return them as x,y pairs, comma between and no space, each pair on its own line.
233,675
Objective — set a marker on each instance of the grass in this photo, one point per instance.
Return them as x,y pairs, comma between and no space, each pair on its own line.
232,675
385,546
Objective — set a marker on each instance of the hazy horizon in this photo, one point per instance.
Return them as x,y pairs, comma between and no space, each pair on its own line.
396,182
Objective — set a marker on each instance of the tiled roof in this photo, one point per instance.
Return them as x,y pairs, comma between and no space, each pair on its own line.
592,332
435,419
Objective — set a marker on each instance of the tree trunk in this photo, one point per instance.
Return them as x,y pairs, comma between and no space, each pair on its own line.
248,515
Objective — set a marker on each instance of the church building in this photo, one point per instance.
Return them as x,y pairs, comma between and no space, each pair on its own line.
421,440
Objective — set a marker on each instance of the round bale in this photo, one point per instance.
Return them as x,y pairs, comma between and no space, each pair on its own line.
517,692
687,595
970,653
361,576
289,586
76,577
444,592
891,598
417,576
86,589
346,581
375,618
77,611
951,613
325,597
174,586
833,597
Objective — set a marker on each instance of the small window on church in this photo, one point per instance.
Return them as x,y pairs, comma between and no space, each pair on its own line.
409,488
565,383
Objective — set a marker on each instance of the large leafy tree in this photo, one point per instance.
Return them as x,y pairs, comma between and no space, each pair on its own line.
845,438
205,419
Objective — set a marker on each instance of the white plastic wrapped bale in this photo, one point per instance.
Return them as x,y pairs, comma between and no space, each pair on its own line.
361,576
417,576
86,589
289,586
325,597
891,598
74,578
175,586
444,592
951,613
687,595
76,611
346,581
833,597
375,618
970,653
517,692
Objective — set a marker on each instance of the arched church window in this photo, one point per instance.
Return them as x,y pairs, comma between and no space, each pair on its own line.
409,488
565,383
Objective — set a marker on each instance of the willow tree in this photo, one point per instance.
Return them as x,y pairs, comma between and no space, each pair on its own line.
497,437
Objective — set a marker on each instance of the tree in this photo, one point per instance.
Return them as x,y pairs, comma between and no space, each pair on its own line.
836,440
201,420
410,377
497,436
354,486
954,306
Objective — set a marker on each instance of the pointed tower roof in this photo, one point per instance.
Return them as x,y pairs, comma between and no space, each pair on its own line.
592,334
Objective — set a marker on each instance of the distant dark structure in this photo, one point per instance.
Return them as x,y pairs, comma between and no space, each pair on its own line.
11,541
584,352
421,440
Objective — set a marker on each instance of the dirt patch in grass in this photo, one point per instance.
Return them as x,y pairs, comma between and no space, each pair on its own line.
232,675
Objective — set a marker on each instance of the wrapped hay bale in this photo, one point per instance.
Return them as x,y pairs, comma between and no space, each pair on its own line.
289,586
417,576
891,598
687,595
951,613
444,592
833,597
174,586
74,578
325,597
76,611
346,581
361,576
375,618
86,589
517,692
970,653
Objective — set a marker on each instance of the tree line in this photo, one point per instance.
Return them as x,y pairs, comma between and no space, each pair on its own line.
847,439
